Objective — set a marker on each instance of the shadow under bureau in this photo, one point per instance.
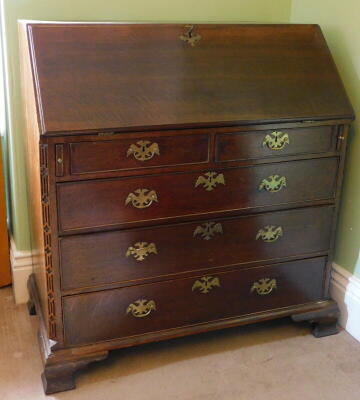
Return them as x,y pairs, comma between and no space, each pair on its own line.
181,179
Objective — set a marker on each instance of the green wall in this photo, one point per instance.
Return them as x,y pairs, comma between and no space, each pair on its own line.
95,10
340,22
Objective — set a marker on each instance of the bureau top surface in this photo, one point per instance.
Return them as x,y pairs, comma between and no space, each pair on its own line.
91,77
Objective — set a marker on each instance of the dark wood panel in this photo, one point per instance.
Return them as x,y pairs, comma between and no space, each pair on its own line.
103,203
130,76
256,144
104,258
99,316
91,157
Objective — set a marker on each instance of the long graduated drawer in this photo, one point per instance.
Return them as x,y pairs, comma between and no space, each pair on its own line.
134,310
111,202
129,255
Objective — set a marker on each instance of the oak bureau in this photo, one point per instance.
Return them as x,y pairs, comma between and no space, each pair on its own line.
182,178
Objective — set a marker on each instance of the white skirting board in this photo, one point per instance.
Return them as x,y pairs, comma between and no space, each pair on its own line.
21,268
345,290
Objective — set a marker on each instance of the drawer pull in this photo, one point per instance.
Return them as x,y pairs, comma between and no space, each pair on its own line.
269,233
141,198
208,230
143,150
140,250
276,140
274,183
264,286
206,283
209,180
141,308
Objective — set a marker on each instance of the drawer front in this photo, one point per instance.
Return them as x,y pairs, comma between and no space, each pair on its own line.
129,255
103,156
275,143
111,202
135,310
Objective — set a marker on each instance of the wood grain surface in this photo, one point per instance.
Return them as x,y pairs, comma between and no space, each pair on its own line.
127,76
103,315
101,258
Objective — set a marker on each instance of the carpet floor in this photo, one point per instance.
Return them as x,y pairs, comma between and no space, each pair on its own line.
275,360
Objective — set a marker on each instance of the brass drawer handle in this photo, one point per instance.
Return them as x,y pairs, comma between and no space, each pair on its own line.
141,250
276,140
209,180
274,183
269,233
208,230
264,286
206,283
141,198
141,308
143,150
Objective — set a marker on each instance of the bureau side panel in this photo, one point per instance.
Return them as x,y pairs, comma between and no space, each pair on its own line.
39,190
342,139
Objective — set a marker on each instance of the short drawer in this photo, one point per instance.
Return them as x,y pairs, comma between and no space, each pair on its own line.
111,202
274,143
143,152
137,310
129,255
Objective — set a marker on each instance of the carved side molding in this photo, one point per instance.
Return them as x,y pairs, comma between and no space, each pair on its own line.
45,201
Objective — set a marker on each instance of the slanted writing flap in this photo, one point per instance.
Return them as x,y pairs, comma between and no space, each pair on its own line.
150,76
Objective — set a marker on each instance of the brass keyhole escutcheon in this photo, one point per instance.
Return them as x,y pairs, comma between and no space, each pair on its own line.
190,36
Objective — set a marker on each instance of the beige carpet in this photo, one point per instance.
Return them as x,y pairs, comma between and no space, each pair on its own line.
274,360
